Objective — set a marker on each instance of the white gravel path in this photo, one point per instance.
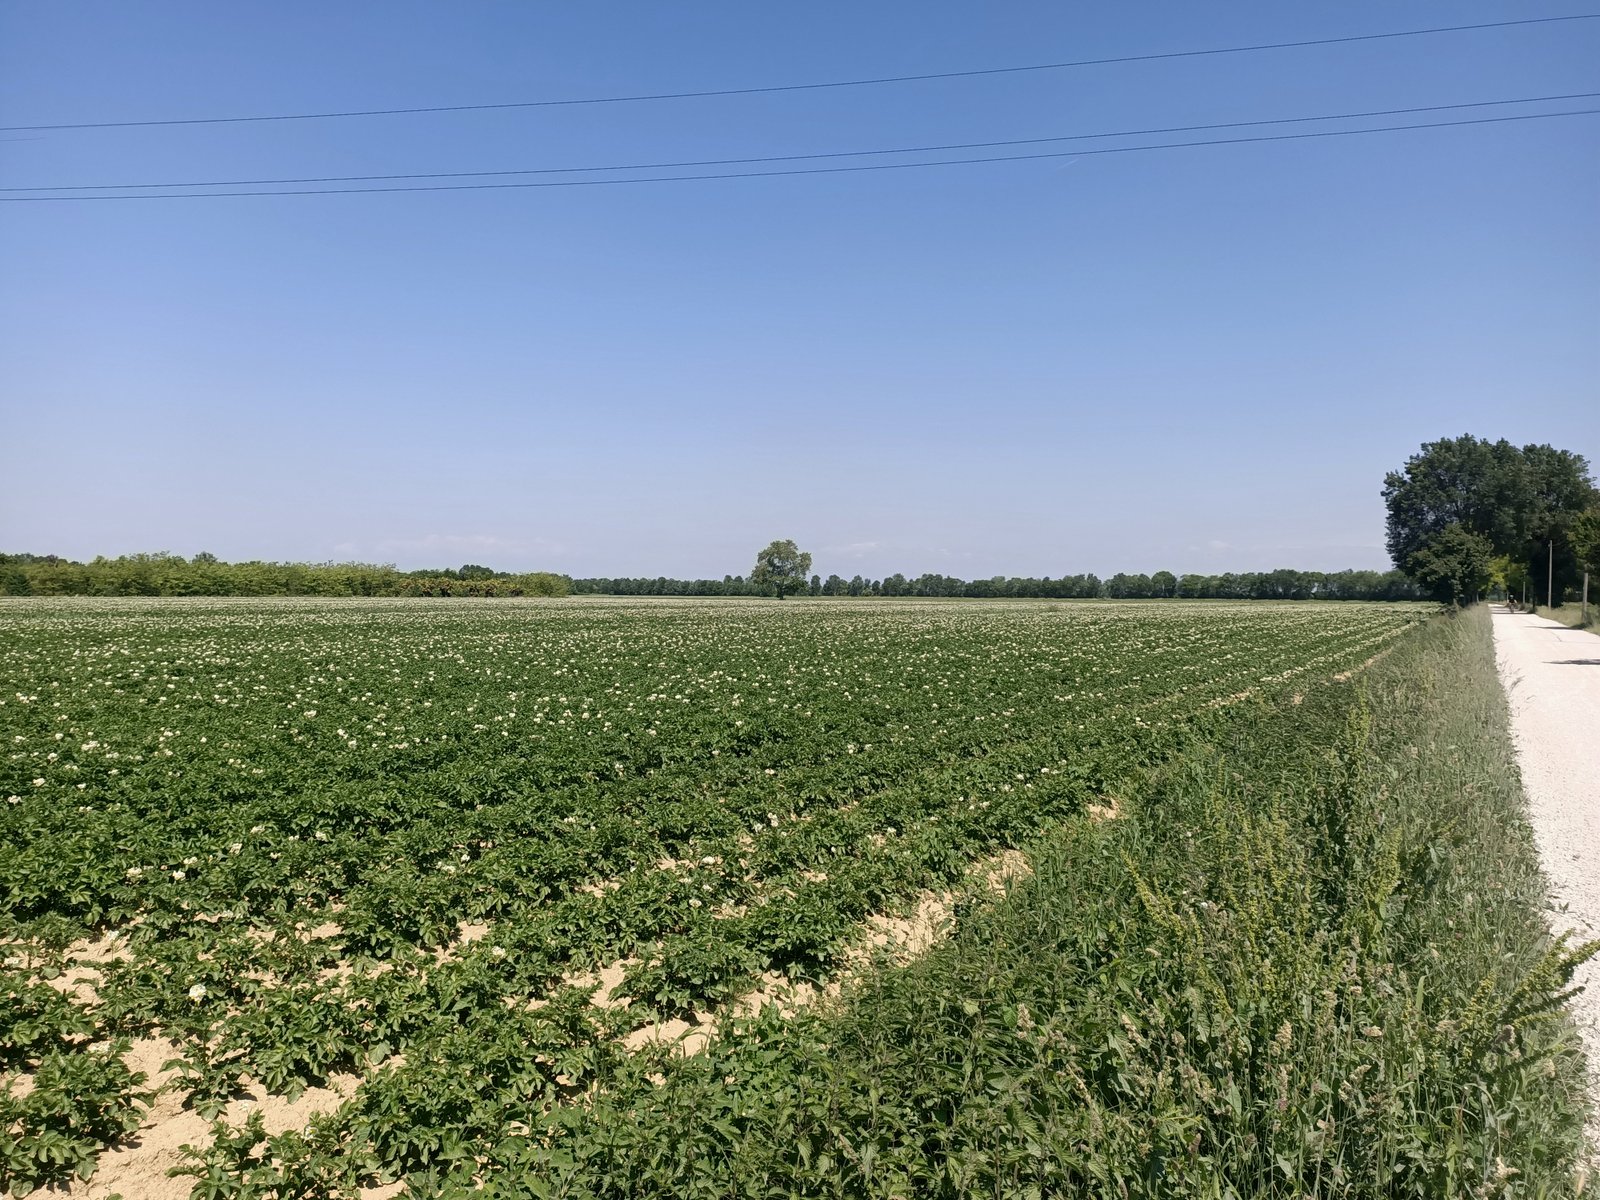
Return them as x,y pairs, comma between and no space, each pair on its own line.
1552,678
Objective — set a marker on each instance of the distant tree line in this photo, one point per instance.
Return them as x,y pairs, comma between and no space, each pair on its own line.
207,575
1282,584
728,585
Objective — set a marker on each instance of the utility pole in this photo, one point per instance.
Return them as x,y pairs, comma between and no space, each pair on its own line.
1550,579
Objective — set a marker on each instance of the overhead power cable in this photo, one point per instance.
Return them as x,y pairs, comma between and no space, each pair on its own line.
771,158
806,87
897,166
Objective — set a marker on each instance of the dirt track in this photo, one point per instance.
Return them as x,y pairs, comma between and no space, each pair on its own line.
1552,678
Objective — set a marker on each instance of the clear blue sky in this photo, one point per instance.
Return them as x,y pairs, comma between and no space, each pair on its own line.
1196,359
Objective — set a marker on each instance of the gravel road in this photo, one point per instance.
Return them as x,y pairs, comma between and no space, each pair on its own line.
1552,679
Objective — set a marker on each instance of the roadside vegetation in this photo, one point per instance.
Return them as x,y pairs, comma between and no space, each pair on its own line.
1571,614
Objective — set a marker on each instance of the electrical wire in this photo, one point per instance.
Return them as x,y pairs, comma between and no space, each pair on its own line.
728,162
949,162
805,87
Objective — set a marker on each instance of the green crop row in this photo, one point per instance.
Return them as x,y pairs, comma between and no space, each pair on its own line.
1309,960
389,841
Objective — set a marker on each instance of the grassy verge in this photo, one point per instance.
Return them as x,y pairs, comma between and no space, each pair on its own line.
1308,960
1572,615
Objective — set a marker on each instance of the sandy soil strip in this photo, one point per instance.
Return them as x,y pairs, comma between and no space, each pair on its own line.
137,1170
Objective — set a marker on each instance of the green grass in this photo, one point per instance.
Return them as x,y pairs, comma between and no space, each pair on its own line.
1572,614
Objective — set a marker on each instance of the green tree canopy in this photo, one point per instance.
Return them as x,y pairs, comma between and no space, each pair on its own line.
781,569
1480,485
1586,539
1455,566
1521,502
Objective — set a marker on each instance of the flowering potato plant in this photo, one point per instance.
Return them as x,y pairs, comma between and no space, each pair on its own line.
316,838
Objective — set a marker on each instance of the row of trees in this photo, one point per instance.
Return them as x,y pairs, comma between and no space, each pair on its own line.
207,575
1249,585
1466,515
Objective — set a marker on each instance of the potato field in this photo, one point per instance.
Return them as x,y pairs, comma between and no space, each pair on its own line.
391,882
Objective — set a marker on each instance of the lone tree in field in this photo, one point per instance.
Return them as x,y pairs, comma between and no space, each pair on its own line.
782,567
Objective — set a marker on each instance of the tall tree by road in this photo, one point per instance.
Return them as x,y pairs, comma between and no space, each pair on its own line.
1520,502
1586,540
1456,565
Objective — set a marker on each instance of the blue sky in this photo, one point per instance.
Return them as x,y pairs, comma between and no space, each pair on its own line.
1197,359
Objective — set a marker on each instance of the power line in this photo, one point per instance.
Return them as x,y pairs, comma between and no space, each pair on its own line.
947,162
806,87
726,162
